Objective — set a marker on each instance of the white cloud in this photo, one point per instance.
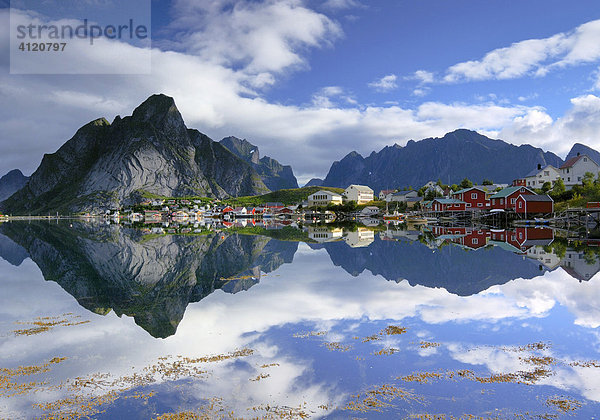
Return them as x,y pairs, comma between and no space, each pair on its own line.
423,76
532,57
266,36
341,4
385,84
581,123
43,112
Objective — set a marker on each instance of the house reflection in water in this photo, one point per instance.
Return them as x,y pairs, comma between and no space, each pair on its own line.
530,242
325,234
359,238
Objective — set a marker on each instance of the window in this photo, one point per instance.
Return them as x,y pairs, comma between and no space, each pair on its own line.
473,195
502,201
546,173
479,204
475,241
569,179
468,204
533,183
520,204
585,159
513,200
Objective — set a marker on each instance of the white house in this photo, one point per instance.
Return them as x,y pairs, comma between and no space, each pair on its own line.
384,193
323,198
432,186
324,234
359,193
402,196
361,238
539,176
573,170
369,211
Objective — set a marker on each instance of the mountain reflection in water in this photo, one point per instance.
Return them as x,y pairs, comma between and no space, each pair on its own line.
408,322
153,278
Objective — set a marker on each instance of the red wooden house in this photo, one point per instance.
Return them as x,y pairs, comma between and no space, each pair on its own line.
534,204
475,198
507,197
448,204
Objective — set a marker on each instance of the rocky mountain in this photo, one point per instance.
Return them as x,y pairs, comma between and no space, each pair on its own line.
459,154
314,182
584,150
105,165
275,175
11,183
114,268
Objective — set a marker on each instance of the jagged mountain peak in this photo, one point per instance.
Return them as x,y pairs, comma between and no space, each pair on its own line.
105,166
582,149
275,175
160,111
12,182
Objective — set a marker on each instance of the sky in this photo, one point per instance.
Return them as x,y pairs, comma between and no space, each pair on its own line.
309,81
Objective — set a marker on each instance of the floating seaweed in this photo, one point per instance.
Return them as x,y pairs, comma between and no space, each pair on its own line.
427,344
337,346
379,398
564,404
386,351
310,334
47,323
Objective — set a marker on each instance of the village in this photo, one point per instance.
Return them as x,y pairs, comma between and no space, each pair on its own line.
525,198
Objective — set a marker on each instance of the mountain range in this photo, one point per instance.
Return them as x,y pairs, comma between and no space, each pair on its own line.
152,152
107,165
275,175
12,182
458,155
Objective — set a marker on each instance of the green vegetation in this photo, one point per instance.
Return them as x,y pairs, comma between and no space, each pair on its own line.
579,195
287,197
466,183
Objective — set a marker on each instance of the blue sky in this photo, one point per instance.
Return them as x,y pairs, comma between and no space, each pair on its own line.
310,80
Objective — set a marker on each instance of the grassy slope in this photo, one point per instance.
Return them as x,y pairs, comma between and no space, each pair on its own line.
291,196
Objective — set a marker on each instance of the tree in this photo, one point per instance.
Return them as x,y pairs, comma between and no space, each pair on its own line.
454,187
487,182
547,186
466,183
588,179
559,187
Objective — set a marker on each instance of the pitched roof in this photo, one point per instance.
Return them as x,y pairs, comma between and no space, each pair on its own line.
571,162
448,200
536,171
468,189
414,199
505,192
530,197
362,188
404,192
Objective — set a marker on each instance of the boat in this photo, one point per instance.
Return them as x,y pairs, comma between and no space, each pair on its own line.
394,216
416,219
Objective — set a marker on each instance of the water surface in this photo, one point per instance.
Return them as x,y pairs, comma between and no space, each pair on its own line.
115,323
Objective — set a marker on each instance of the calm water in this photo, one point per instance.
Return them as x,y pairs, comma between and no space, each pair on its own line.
107,322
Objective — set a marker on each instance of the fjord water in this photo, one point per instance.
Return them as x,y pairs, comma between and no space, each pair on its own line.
107,322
